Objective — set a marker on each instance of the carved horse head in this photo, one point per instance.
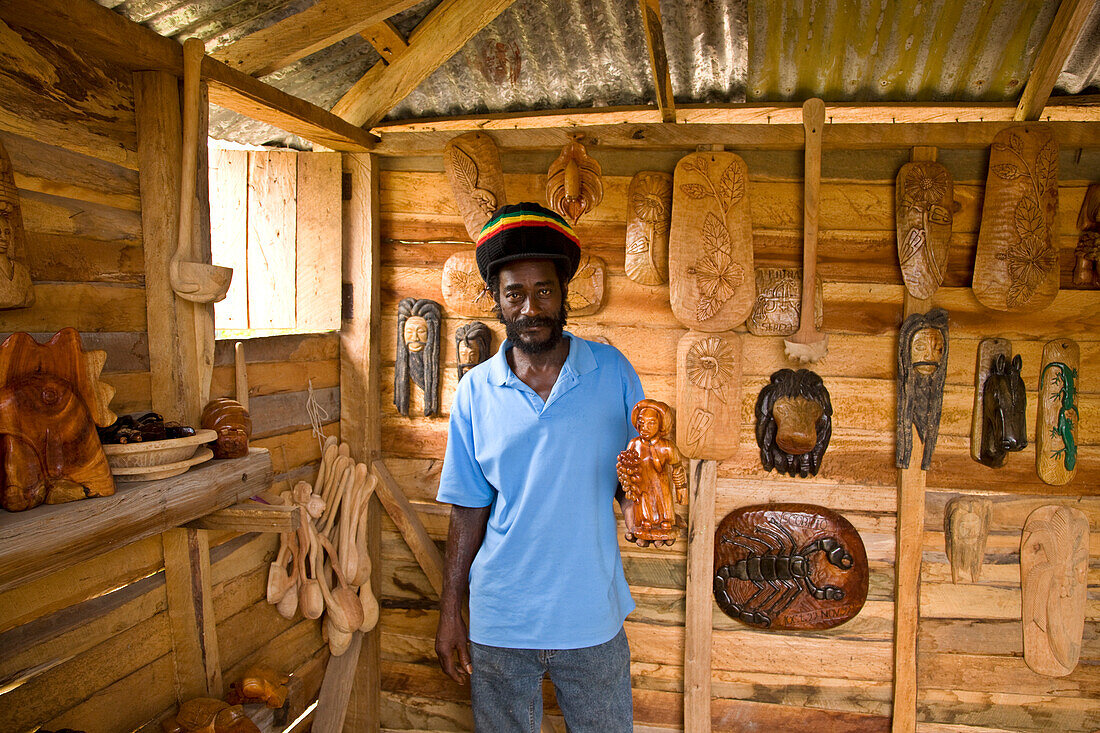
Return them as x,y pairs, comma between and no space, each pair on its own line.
1005,400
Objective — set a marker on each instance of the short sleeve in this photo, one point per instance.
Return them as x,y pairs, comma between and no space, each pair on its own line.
632,386
462,482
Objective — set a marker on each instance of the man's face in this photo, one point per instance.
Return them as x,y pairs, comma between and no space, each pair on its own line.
927,350
416,333
532,305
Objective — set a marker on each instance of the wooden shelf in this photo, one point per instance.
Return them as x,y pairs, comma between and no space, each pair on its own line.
48,538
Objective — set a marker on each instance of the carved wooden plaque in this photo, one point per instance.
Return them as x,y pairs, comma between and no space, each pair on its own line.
794,422
988,349
648,218
16,289
775,312
573,183
463,289
708,395
1086,266
965,530
925,202
710,262
586,289
473,168
1054,558
1016,266
789,566
1056,428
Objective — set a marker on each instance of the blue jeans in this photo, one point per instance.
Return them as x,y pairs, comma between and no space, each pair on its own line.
592,686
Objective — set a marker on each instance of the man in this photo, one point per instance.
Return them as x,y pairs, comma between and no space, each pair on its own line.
530,472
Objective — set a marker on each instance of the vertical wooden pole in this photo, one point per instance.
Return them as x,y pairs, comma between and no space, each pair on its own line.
700,581
191,613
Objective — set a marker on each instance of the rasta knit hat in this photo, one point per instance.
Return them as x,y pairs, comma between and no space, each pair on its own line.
526,231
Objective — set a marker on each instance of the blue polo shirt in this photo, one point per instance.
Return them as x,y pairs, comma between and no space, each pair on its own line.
548,574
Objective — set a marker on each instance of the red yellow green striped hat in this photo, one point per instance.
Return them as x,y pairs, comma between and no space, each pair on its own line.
526,231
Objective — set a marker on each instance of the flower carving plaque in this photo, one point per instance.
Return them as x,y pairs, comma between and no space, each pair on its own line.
708,395
649,215
925,202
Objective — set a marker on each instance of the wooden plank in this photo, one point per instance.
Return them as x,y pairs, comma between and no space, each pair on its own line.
84,306
195,655
110,184
1060,39
68,258
700,582
401,512
229,232
658,59
274,377
272,193
251,516
286,348
317,268
332,701
386,39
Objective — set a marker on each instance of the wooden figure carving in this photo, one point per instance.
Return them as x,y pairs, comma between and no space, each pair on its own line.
1086,268
1016,266
708,395
1004,404
794,422
652,473
965,530
233,425
586,290
418,323
789,566
573,184
16,289
925,202
259,685
648,217
710,265
922,370
988,350
207,715
1054,558
1056,427
473,168
464,291
50,404
775,312
472,346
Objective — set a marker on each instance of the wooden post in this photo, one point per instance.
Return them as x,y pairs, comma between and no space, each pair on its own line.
700,581
191,613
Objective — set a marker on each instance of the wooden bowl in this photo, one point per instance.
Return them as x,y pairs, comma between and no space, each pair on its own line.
163,470
155,452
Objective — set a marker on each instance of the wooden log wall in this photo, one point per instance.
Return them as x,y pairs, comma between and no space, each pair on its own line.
972,676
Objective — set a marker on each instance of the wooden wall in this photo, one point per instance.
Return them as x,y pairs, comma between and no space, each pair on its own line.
971,672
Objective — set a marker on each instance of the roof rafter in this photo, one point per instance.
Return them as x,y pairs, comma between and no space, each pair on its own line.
386,39
1068,23
438,37
658,59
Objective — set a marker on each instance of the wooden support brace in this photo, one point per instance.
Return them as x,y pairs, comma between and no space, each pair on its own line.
1068,24
387,40
191,614
332,701
251,516
700,581
403,515
658,58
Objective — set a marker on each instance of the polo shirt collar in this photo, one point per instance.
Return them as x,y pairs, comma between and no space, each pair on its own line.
580,360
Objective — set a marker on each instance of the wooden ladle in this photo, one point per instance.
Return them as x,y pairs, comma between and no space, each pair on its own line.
344,607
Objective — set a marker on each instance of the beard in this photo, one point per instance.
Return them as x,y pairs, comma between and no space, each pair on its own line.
514,331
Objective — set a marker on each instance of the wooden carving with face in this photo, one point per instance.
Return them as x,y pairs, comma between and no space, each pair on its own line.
418,324
922,369
1004,405
965,529
794,421
472,346
652,471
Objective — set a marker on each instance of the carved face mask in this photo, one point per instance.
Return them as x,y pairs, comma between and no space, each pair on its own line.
796,424
468,354
926,350
416,333
649,424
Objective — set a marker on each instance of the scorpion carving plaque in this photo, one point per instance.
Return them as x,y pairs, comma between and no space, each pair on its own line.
1056,426
789,566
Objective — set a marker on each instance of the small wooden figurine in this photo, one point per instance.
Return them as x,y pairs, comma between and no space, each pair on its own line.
789,566
587,290
573,184
16,289
418,323
988,350
1016,265
1004,405
652,473
1086,268
710,261
473,168
259,685
207,715
1054,558
232,423
1056,426
472,346
922,370
965,530
649,215
708,395
775,312
925,202
464,291
794,422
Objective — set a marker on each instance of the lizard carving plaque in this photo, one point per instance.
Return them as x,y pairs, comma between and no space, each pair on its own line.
708,395
1056,426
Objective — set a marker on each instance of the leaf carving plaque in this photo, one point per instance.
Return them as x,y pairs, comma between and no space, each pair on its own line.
710,245
463,289
586,289
1016,266
775,312
789,566
708,395
473,168
648,218
925,202
1056,426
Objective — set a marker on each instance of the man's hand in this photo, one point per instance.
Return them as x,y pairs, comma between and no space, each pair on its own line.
627,505
453,648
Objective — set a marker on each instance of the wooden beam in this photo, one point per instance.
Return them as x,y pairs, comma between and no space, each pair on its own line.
700,582
387,40
251,516
438,37
1068,23
319,26
404,516
191,614
658,59
332,700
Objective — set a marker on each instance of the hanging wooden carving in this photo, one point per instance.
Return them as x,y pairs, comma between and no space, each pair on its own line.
652,473
472,346
1054,558
586,289
794,422
1056,427
648,218
775,312
233,425
1086,268
418,323
464,291
1004,405
259,685
50,404
925,202
710,264
1016,266
965,529
922,370
473,168
988,350
207,715
16,289
789,566
708,395
573,184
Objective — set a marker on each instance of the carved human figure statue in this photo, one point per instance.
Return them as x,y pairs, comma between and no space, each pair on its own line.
922,370
417,353
15,280
651,471
472,345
